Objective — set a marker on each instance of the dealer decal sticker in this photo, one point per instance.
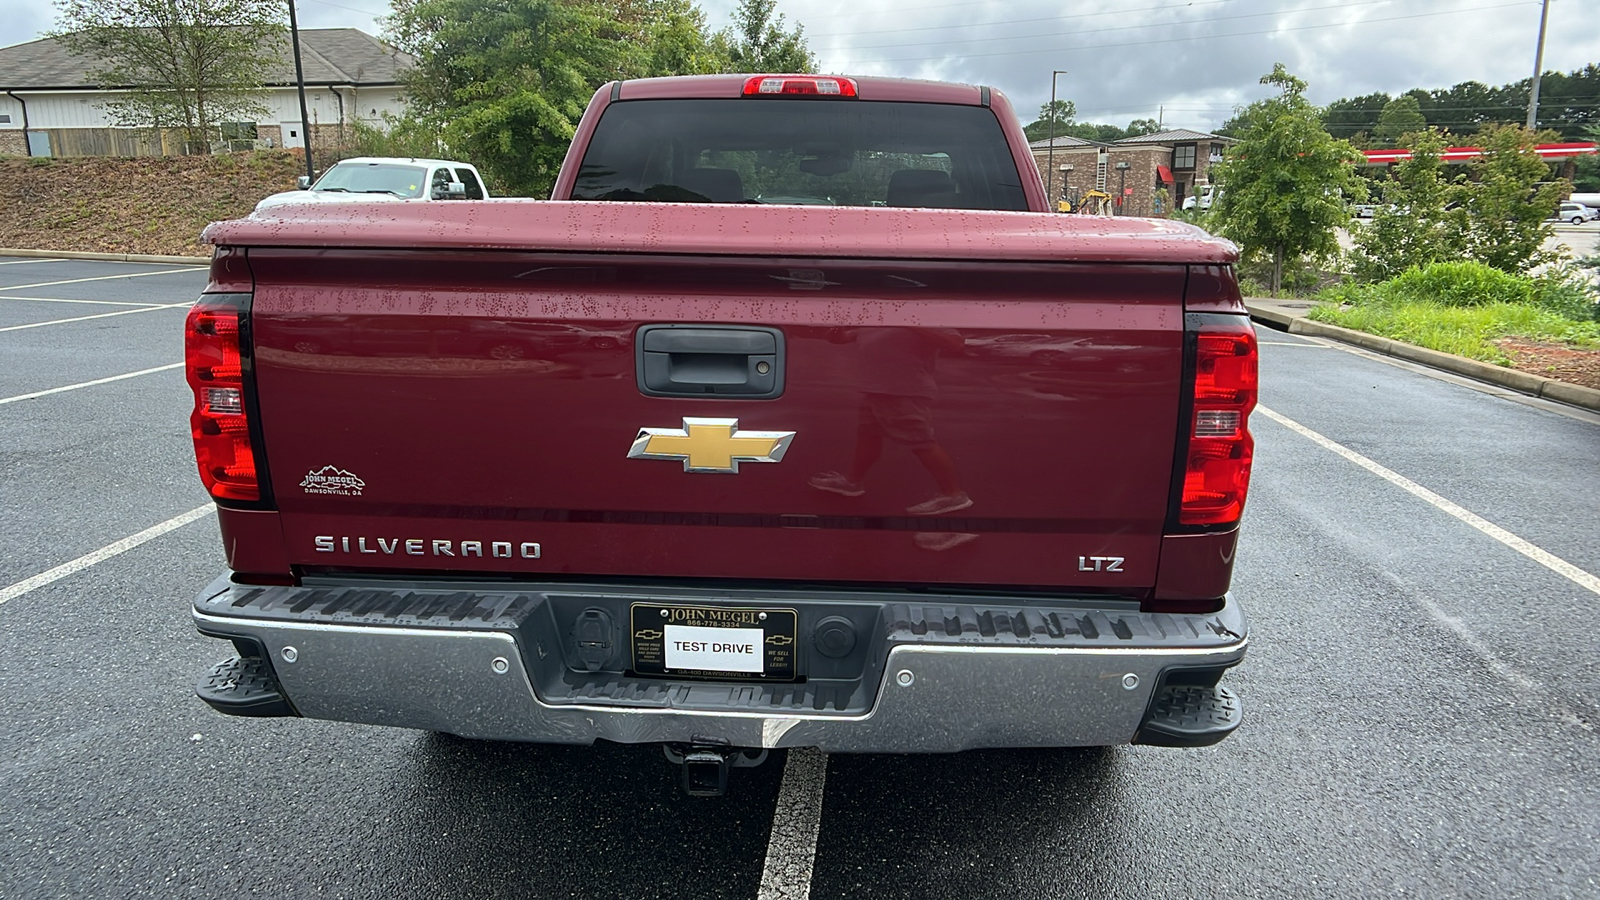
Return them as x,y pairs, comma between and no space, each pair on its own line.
332,480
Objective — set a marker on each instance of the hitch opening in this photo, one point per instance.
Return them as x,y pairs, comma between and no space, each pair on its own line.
705,766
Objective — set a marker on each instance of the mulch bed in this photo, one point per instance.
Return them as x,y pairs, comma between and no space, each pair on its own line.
1580,367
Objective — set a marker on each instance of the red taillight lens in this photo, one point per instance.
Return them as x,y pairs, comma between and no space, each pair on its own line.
815,85
1216,474
220,424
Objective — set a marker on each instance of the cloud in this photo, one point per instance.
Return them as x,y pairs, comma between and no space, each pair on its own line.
1188,61
1128,59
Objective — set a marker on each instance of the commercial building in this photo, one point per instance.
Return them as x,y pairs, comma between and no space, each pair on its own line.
50,107
1136,169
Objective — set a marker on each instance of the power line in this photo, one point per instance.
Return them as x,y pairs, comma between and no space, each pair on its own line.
1201,37
365,12
1117,27
1109,12
1544,103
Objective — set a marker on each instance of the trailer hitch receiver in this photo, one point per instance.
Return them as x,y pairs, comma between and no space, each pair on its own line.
706,765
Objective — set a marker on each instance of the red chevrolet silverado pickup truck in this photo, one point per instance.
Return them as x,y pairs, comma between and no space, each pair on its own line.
791,420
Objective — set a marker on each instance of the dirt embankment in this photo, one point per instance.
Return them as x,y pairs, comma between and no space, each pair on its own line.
141,205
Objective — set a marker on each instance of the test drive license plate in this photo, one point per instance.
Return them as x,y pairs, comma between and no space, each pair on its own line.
713,641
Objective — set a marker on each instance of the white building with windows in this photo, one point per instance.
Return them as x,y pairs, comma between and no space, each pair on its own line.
48,107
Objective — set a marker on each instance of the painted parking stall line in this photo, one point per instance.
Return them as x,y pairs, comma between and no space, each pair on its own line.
28,287
84,384
115,548
1583,579
120,312
5,296
24,262
796,820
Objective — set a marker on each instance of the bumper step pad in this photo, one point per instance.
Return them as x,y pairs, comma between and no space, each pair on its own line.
1189,716
243,687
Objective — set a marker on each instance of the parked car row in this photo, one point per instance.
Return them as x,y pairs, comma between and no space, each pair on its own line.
1575,213
1572,213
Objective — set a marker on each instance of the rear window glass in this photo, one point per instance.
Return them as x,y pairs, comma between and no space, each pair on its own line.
809,152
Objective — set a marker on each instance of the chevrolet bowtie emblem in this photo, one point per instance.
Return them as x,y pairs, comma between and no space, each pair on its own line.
710,445
780,640
649,635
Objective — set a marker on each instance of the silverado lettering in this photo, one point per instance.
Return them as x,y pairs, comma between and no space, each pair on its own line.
325,543
982,385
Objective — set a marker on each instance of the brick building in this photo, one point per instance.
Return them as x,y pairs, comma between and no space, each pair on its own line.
1136,168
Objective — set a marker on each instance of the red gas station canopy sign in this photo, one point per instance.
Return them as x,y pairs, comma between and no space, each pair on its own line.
1463,154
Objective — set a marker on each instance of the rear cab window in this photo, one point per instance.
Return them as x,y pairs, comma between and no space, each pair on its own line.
470,179
814,153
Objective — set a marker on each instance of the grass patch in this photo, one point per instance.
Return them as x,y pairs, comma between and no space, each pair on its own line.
1463,308
1465,331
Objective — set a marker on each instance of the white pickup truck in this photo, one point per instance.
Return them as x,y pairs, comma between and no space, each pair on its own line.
387,178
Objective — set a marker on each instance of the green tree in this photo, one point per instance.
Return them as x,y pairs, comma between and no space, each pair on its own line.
1400,116
757,41
1345,118
504,82
1053,120
1587,176
185,64
1238,123
1418,223
1284,185
1139,127
678,41
395,136
1510,197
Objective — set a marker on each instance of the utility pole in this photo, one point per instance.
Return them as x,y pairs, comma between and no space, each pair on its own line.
1050,177
1538,67
300,82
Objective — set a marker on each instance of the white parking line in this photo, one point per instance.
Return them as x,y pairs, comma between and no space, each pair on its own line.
792,846
23,262
84,384
8,288
120,312
1539,555
103,554
65,300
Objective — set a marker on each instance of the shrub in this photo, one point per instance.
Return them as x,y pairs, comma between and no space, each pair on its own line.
1566,292
1459,284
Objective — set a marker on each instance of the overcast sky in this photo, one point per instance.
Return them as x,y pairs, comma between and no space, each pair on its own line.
1126,59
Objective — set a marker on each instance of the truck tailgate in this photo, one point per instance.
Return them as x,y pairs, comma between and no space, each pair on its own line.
459,410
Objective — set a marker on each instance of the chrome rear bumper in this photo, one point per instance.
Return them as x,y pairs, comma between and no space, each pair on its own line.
927,693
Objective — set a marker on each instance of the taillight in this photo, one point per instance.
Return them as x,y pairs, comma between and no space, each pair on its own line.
1216,472
214,363
791,85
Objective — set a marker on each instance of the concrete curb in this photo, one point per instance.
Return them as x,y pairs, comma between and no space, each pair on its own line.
1521,382
107,257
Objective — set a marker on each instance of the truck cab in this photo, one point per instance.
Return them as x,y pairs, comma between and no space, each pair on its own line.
381,179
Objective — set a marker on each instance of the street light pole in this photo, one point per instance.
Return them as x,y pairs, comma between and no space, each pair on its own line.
300,82
1538,65
1050,167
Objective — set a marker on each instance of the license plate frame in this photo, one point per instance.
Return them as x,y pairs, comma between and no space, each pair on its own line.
648,630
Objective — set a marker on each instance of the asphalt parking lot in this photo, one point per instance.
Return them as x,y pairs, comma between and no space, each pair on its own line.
1422,695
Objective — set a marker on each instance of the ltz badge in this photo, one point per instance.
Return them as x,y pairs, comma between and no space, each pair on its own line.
711,445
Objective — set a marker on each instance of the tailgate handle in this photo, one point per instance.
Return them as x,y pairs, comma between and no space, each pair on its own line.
740,361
